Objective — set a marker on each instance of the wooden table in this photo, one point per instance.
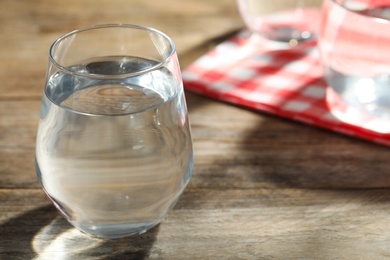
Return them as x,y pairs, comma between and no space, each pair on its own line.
262,188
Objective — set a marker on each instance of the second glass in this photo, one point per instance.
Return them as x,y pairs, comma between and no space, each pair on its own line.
290,21
114,149
355,51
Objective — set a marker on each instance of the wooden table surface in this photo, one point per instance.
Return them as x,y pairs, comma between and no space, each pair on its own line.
262,188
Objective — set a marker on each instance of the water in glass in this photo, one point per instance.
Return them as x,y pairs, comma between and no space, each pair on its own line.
114,155
355,49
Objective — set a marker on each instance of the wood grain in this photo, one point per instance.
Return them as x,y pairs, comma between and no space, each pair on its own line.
247,149
215,224
29,29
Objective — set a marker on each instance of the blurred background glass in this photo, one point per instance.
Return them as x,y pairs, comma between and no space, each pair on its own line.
290,21
355,51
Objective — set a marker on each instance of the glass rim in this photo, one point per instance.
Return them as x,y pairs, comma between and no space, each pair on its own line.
158,65
378,19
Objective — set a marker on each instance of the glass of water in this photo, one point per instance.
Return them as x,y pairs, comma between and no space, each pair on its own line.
355,51
290,21
114,149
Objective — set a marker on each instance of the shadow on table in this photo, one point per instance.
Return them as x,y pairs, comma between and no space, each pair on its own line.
270,151
280,152
294,155
44,234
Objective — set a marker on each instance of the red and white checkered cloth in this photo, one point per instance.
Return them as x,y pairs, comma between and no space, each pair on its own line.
258,74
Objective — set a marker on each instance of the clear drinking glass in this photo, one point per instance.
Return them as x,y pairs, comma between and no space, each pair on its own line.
114,149
291,21
355,51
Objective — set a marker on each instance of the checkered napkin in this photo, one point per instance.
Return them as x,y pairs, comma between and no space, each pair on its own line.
266,76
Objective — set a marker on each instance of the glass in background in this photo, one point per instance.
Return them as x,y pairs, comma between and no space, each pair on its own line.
290,21
355,51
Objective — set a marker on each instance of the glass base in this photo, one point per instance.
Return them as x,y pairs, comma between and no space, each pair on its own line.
116,231
289,35
354,116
